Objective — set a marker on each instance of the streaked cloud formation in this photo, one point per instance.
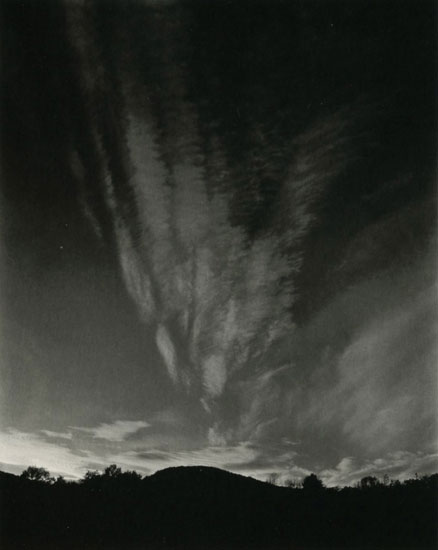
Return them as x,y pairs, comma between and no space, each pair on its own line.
260,292
218,299
221,298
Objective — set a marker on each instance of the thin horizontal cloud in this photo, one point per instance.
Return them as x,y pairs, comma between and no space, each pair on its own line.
22,449
244,458
72,460
117,431
396,465
57,435
216,456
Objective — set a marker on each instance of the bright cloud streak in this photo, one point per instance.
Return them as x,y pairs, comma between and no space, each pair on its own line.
223,301
117,431
396,465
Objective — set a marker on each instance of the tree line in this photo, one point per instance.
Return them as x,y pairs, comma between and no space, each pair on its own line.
201,507
311,482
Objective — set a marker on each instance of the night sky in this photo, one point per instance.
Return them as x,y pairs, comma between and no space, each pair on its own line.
218,237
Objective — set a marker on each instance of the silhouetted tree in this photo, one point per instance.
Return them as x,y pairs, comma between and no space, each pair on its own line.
368,482
293,484
33,473
273,478
60,480
112,471
91,477
89,512
131,475
312,483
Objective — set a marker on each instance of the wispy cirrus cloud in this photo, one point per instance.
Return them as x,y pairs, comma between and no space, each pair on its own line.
359,379
218,300
217,297
382,387
218,287
269,249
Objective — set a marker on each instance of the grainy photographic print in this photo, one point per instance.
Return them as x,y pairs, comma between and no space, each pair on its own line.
218,272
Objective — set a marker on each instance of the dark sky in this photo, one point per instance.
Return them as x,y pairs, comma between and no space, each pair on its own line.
219,236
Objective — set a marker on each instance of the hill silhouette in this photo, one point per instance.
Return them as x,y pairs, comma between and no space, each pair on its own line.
210,480
203,507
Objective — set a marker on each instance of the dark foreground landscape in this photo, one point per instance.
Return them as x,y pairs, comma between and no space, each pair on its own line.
201,507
